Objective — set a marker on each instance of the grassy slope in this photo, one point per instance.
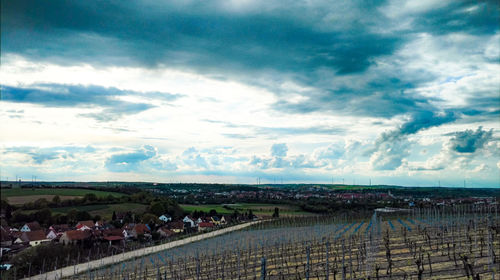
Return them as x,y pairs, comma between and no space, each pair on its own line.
257,208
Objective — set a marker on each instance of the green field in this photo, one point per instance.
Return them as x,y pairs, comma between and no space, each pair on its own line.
257,208
54,191
103,210
20,196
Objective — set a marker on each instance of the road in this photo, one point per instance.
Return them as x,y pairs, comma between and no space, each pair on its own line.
83,267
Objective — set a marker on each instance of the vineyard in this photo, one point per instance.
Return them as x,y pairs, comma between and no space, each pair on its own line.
444,243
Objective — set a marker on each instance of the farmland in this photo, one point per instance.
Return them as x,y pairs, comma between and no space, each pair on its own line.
19,196
261,209
455,243
104,210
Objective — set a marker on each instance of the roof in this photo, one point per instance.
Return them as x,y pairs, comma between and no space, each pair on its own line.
34,225
113,232
113,238
88,223
61,227
141,228
205,224
77,234
33,235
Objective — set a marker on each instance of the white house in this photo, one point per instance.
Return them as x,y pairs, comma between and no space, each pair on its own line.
34,238
51,235
187,219
165,218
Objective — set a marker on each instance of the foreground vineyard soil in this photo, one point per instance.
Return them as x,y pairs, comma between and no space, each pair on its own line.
458,243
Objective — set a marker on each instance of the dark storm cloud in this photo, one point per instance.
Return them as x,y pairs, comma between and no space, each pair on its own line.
200,36
424,120
310,44
59,95
372,100
391,148
469,141
473,17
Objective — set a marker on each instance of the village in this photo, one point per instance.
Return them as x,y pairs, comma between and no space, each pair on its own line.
90,233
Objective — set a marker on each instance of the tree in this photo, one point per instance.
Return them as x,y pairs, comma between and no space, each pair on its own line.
157,208
250,214
72,216
40,203
43,216
235,214
83,216
19,217
56,200
60,219
149,218
8,209
212,212
276,213
90,197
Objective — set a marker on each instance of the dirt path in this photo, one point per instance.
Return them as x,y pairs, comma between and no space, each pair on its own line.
83,267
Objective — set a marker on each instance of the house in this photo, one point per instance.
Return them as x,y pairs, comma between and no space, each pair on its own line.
33,238
99,224
137,230
223,220
165,218
59,228
31,227
165,232
177,226
114,239
125,233
113,236
85,225
52,234
74,236
127,230
203,226
189,220
215,220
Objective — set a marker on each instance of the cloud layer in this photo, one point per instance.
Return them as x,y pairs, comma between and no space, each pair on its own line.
221,90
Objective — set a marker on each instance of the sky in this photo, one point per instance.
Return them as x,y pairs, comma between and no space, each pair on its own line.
387,92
